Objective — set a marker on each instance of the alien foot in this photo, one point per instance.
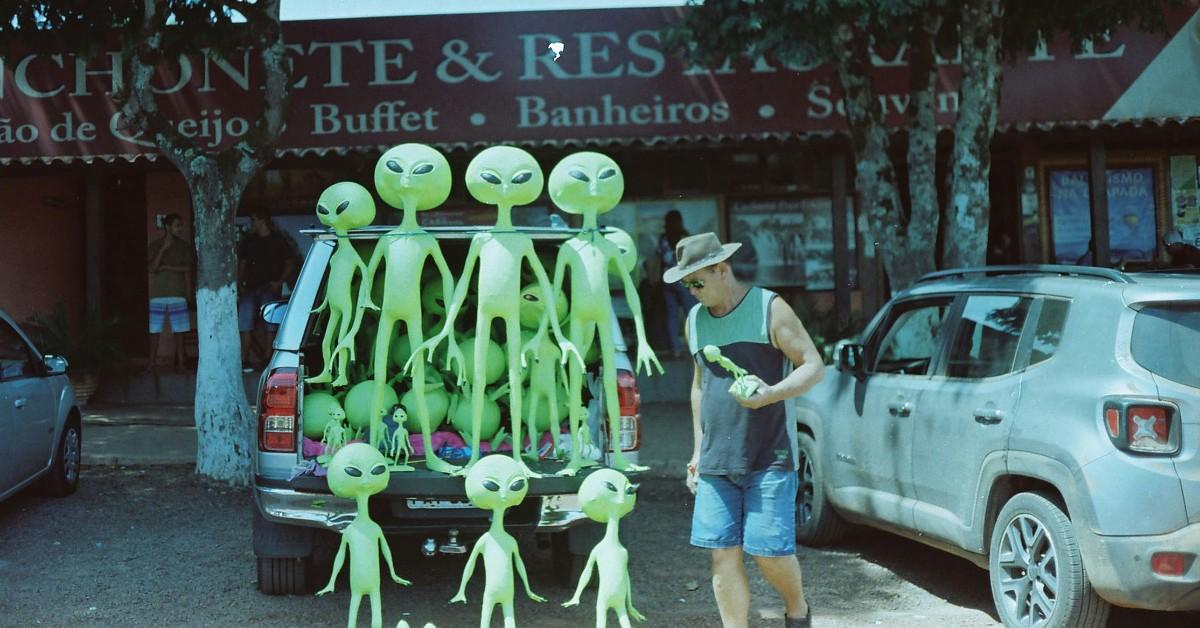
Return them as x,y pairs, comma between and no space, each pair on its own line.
433,463
624,466
341,380
574,466
462,471
400,467
529,473
320,378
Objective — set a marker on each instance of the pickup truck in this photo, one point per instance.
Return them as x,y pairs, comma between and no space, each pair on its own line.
297,518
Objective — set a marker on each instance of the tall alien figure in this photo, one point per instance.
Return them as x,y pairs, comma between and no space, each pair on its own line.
496,483
590,184
503,176
412,178
359,471
606,496
342,206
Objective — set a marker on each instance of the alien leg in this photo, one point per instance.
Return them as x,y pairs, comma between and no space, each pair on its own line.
415,339
483,327
579,329
383,338
485,612
355,599
341,356
622,616
601,610
326,373
512,331
535,397
608,375
510,618
376,610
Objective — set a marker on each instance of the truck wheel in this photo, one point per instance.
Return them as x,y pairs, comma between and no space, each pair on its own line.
816,522
1036,571
282,576
63,478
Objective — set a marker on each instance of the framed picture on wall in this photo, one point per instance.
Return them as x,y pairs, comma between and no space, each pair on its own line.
786,242
1132,226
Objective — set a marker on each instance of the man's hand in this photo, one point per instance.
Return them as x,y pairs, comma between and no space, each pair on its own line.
758,399
692,474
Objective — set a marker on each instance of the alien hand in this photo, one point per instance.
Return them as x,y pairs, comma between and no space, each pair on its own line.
328,589
461,597
647,359
454,354
633,612
565,347
428,346
535,597
571,602
400,581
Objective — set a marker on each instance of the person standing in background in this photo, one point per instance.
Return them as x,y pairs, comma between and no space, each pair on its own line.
266,261
170,260
676,299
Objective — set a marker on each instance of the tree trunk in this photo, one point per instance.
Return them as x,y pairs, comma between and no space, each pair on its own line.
225,427
904,246
971,159
922,133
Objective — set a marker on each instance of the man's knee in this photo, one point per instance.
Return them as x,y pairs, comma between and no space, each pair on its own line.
726,555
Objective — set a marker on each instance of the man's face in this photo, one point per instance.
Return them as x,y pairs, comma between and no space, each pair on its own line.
175,228
701,284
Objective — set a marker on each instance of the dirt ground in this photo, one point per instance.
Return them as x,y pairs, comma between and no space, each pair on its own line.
156,546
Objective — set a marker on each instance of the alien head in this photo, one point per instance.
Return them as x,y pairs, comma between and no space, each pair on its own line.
533,306
504,175
346,205
586,181
412,176
626,245
496,482
712,353
358,469
605,494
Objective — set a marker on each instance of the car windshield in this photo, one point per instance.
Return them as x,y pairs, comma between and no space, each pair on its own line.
1165,337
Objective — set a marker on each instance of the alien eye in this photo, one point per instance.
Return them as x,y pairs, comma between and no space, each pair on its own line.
578,174
423,169
607,172
522,177
632,489
323,210
394,166
491,485
342,206
354,472
490,178
529,297
379,469
610,486
517,484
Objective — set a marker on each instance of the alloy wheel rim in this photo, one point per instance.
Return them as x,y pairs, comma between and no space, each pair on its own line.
804,497
1028,565
71,455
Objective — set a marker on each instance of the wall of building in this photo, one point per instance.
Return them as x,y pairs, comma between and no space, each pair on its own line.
41,259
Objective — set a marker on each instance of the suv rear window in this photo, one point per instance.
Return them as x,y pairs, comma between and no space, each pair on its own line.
1165,338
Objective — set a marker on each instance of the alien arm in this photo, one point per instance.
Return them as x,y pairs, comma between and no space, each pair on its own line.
337,566
448,288
584,579
544,283
369,274
469,570
645,355
387,556
525,578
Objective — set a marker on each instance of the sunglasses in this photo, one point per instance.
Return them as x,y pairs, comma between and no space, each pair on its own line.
698,284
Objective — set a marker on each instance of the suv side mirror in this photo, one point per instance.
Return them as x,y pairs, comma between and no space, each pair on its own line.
274,312
849,358
55,365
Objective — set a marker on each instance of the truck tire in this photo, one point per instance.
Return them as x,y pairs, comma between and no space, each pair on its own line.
816,522
282,576
1032,537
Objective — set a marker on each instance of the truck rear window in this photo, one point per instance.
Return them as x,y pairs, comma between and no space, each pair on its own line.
1166,339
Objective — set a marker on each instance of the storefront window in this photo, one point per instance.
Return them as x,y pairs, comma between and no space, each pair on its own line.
1131,215
787,241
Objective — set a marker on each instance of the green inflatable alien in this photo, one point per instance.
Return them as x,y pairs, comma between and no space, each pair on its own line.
606,496
503,176
544,401
359,471
412,178
343,206
742,385
496,483
590,184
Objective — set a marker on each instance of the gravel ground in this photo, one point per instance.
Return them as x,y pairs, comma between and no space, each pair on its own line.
156,546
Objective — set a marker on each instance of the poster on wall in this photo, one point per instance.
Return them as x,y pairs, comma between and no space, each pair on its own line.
643,220
1131,226
786,241
1185,200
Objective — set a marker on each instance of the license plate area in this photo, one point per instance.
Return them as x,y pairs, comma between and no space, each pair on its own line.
437,504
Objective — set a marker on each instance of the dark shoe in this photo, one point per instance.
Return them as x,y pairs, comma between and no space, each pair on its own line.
798,622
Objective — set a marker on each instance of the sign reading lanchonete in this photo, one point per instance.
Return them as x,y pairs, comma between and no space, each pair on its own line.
486,78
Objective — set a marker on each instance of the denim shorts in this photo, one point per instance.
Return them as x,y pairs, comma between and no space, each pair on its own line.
756,511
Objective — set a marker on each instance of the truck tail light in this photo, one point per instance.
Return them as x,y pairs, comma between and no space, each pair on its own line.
1141,426
277,411
1169,563
629,402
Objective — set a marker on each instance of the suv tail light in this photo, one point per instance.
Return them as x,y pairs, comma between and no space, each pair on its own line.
629,402
1141,426
277,411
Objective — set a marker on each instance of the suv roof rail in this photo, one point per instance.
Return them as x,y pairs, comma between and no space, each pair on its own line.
1028,269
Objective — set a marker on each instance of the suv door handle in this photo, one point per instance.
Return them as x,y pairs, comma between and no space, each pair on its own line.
19,403
900,408
988,416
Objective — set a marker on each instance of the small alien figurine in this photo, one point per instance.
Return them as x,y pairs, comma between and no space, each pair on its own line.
399,441
496,483
334,438
544,384
319,410
590,184
342,206
606,496
742,386
412,178
359,471
503,176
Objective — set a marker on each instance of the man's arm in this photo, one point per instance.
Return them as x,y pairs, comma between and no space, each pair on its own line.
790,337
697,431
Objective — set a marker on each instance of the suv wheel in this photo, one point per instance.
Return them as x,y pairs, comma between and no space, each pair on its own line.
63,478
816,522
1036,571
282,576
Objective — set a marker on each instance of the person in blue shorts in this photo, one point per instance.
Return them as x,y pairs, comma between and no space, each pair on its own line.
743,469
170,260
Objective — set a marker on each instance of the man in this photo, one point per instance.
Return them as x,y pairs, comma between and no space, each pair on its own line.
266,260
169,259
744,461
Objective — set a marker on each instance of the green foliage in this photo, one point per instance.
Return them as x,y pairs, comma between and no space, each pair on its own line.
90,348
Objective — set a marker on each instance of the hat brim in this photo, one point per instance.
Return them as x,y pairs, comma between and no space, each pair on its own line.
675,273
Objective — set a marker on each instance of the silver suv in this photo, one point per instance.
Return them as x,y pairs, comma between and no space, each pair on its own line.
1041,421
295,515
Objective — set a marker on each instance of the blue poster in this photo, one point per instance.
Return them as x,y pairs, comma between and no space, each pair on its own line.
1131,225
